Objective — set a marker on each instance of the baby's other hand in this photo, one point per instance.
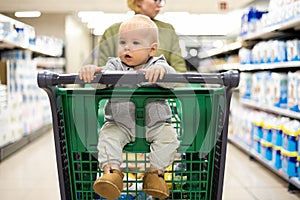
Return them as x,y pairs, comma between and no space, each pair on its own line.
153,73
86,73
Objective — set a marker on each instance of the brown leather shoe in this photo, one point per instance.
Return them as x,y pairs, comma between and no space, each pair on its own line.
109,185
155,185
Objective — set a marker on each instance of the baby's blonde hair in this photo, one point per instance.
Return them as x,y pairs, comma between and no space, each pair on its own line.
141,22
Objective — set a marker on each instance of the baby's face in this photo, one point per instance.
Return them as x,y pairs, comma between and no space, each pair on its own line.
134,47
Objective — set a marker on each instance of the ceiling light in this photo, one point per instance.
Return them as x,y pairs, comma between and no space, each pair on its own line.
28,14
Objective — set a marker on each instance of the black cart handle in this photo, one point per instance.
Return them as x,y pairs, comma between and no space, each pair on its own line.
229,78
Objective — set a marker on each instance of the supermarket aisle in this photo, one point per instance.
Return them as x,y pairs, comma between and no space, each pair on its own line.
249,180
30,174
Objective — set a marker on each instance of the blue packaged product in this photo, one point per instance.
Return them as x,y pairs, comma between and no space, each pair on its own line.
267,132
291,132
244,24
257,129
298,165
257,145
289,162
276,157
266,149
277,136
253,17
277,125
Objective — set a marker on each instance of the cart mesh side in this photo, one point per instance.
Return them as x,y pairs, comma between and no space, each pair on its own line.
196,118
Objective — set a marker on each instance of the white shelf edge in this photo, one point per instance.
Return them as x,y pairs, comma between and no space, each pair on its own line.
277,110
12,44
217,51
271,29
264,66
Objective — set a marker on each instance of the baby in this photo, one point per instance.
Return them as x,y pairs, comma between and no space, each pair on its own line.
138,42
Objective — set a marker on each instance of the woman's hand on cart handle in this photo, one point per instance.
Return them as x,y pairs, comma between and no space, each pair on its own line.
87,72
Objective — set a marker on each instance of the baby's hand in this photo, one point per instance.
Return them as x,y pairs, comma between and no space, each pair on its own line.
86,73
154,72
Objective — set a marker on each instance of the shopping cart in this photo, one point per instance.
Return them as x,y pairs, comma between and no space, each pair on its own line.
200,109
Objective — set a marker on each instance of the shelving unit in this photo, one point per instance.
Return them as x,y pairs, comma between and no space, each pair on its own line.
7,44
285,30
272,109
273,31
26,92
228,48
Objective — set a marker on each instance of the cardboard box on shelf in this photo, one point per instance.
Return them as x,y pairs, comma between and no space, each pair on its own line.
3,72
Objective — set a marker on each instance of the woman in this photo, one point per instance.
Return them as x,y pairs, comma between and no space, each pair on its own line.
168,39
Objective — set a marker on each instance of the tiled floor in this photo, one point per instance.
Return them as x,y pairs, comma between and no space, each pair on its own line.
30,174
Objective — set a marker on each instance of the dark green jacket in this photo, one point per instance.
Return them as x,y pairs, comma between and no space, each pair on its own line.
168,45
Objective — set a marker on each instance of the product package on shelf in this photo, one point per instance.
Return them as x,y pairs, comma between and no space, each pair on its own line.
266,149
29,107
16,118
291,130
245,85
258,89
277,126
294,91
298,167
293,50
5,133
276,157
278,90
279,11
267,126
289,151
289,163
3,96
241,125
16,32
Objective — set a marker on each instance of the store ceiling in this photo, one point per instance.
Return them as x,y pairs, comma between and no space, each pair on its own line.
116,6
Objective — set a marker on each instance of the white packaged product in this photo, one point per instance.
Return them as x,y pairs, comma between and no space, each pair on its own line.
279,89
296,8
245,85
278,51
288,9
245,56
293,50
294,91
258,89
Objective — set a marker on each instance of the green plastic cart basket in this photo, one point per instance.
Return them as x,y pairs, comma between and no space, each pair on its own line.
200,111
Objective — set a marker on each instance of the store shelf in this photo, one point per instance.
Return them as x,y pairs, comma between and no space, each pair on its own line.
295,181
268,164
20,69
273,31
269,66
240,144
259,67
218,51
11,148
273,109
7,44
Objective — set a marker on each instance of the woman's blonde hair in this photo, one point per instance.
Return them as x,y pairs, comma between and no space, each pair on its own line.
132,5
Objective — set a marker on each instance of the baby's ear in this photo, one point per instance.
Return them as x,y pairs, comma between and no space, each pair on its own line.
153,49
